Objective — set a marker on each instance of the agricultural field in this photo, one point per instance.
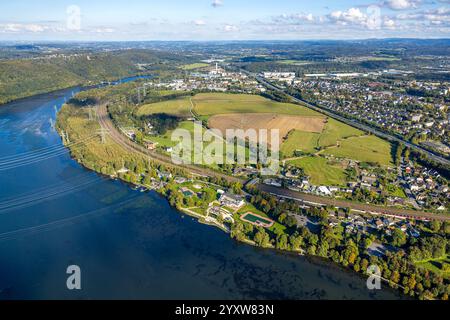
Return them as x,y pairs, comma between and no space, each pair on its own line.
320,171
305,129
335,131
364,149
306,142
194,66
268,121
178,107
210,104
294,62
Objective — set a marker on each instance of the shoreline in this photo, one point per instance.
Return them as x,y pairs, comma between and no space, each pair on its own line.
316,260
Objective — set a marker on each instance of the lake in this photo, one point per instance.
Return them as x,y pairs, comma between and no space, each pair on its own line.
129,245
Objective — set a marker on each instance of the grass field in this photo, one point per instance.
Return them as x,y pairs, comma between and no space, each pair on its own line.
299,140
194,66
166,141
177,107
335,130
320,171
222,106
308,142
437,266
380,58
209,104
396,191
364,149
294,62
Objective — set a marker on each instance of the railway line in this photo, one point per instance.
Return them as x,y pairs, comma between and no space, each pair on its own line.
127,144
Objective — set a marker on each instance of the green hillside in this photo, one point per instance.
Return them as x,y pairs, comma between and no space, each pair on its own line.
23,78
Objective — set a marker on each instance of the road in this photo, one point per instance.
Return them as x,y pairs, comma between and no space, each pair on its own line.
127,144
353,123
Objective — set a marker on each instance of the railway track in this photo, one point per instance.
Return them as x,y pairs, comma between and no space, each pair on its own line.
127,144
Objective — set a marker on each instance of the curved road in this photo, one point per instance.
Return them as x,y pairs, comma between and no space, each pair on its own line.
122,140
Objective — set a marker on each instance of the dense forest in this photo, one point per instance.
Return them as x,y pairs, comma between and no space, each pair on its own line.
26,77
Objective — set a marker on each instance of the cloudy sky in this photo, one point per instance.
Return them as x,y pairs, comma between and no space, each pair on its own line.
222,19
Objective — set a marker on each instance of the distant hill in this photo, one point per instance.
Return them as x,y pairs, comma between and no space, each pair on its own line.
27,77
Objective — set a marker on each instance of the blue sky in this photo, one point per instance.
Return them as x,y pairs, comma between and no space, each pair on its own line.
222,19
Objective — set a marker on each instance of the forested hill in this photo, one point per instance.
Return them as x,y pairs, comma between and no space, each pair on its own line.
27,77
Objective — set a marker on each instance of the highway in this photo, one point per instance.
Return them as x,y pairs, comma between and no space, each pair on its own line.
127,144
352,122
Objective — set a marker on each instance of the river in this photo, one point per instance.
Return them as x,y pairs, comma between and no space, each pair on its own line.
128,245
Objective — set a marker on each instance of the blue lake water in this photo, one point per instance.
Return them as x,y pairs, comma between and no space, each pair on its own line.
54,213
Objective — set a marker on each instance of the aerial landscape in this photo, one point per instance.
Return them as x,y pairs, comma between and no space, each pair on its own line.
225,151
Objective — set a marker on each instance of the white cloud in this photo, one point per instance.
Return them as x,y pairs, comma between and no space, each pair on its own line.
22,27
199,22
104,30
401,4
294,18
434,16
230,28
217,3
352,15
389,23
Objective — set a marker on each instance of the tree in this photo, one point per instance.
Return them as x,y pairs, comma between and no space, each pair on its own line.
395,277
237,188
367,243
282,242
364,264
323,249
262,239
237,231
311,250
435,226
147,180
282,217
290,222
296,242
398,238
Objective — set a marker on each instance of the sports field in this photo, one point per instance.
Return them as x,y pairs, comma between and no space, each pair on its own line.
257,220
321,172
249,208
